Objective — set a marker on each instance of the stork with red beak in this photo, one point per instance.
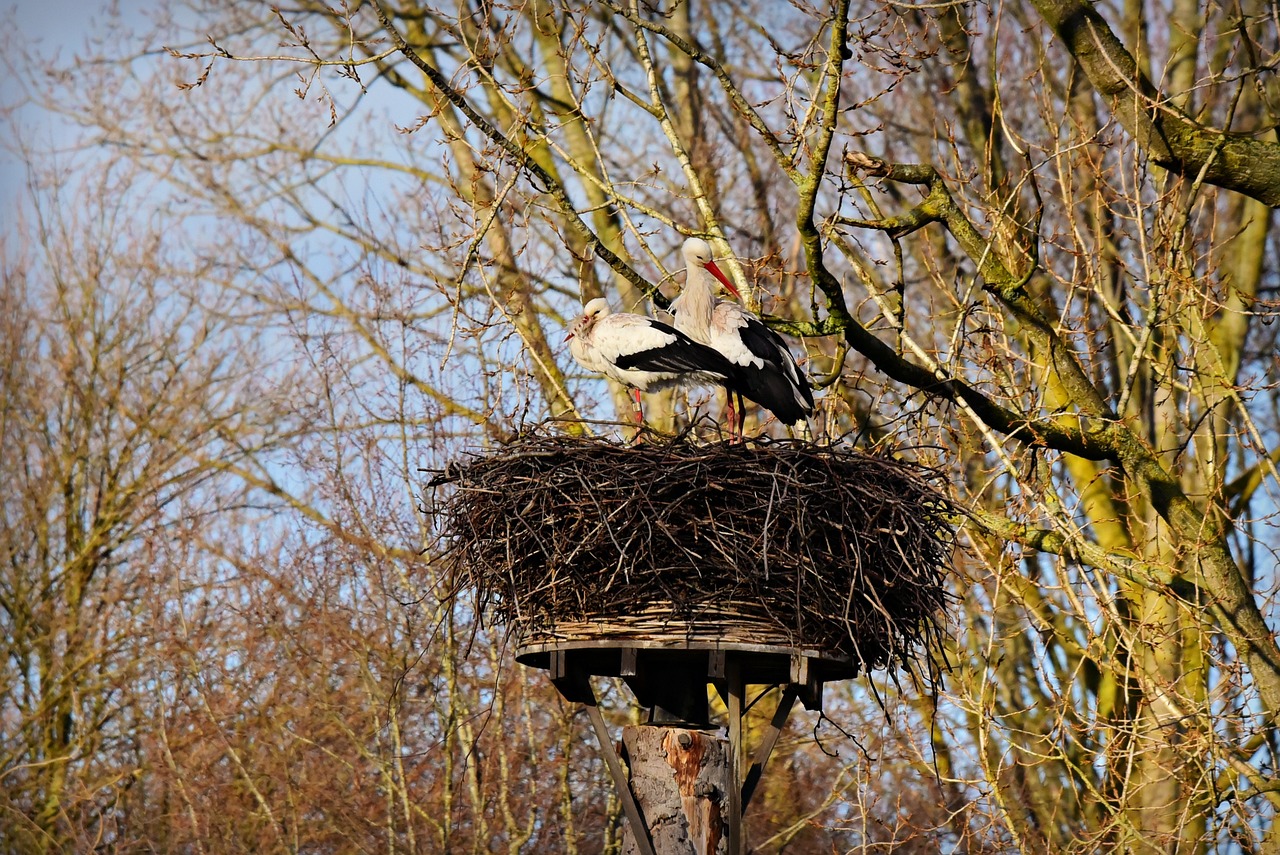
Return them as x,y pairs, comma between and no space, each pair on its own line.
641,353
766,372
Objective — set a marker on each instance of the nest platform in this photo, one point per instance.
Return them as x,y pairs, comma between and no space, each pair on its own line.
793,561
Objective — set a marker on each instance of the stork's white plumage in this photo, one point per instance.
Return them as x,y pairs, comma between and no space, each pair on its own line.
766,372
641,353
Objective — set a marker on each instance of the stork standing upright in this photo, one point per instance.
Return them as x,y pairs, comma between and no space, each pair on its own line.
766,372
641,353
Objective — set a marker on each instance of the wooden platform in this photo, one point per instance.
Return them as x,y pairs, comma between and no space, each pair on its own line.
670,676
759,664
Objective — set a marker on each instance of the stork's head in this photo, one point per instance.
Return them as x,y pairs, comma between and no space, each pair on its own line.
592,312
697,253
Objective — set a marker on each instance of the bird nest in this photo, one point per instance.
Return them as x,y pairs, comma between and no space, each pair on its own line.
770,542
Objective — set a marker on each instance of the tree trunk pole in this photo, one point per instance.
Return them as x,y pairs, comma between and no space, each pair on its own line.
681,778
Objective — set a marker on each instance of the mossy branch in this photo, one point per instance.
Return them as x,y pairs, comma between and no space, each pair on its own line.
522,158
1168,136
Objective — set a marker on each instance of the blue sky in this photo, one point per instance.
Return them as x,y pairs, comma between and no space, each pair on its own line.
52,29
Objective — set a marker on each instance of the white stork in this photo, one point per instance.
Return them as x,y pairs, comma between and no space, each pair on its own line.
641,353
766,371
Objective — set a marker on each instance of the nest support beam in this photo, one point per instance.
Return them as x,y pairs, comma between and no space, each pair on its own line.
737,688
575,686
765,749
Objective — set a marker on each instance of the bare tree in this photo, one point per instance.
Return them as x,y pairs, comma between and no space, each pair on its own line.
1027,243
125,401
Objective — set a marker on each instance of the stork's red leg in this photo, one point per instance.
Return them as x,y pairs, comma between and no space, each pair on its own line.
635,393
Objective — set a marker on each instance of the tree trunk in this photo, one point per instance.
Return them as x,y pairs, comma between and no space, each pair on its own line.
681,780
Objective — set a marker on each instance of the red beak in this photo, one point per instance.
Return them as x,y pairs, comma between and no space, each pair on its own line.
715,271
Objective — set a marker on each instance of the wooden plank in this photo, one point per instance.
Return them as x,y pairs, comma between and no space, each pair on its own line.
776,725
629,805
764,663
811,695
715,664
736,691
799,668
722,689
570,681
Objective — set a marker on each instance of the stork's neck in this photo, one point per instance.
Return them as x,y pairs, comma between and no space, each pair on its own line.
697,302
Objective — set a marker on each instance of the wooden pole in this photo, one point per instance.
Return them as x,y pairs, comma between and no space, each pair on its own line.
733,675
681,780
765,749
684,791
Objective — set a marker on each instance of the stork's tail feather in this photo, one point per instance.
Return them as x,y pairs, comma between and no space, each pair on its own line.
775,392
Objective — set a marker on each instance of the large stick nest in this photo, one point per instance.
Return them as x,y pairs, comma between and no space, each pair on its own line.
772,542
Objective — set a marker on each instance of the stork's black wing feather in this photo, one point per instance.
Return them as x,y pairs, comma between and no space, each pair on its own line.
770,347
680,356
